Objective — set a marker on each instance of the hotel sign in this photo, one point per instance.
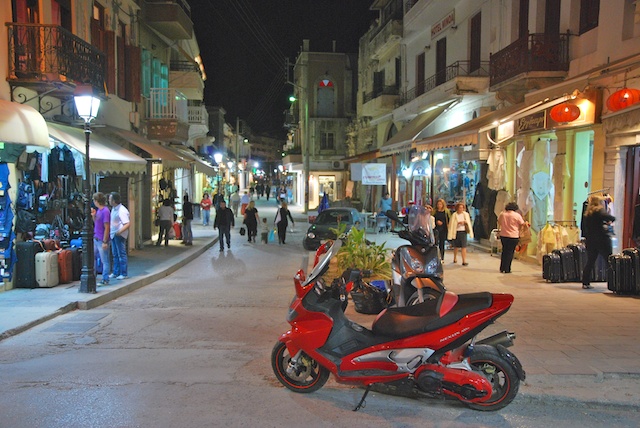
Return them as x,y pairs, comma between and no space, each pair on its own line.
442,24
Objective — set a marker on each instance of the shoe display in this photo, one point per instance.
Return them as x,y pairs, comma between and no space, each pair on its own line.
121,277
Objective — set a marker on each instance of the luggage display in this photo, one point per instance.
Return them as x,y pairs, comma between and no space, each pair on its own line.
634,253
495,242
567,263
47,269
25,276
65,266
551,267
76,262
51,244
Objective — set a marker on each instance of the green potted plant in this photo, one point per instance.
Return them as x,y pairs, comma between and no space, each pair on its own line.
357,253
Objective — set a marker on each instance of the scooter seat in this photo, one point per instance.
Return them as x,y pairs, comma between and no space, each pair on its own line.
424,317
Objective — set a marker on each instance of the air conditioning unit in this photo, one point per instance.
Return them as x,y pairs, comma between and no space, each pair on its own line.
337,165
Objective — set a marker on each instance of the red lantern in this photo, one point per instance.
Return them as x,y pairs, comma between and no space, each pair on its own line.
623,98
564,112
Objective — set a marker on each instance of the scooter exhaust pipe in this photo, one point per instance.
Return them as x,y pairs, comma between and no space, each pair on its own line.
504,338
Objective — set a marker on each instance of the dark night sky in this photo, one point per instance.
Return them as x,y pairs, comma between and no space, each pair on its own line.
243,44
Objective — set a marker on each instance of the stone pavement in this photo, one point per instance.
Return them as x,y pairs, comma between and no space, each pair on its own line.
577,346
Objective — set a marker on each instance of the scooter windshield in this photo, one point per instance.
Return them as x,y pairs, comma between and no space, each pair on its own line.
324,261
419,220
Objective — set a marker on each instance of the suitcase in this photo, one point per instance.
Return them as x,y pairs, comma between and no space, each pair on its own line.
579,257
619,278
65,266
495,242
568,264
551,267
25,276
76,262
177,229
47,269
634,253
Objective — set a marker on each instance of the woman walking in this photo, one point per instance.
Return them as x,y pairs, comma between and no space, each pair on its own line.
441,215
282,222
251,220
459,228
595,226
509,222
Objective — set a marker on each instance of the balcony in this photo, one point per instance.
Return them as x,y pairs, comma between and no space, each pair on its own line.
186,76
385,38
172,18
50,58
458,70
167,116
534,61
379,101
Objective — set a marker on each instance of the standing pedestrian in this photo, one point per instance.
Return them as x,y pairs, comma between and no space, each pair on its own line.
267,190
235,203
224,221
205,204
119,232
459,229
385,204
509,222
441,215
244,202
165,214
595,229
101,223
282,222
251,220
187,218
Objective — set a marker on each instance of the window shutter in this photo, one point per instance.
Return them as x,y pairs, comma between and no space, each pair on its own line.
132,73
110,51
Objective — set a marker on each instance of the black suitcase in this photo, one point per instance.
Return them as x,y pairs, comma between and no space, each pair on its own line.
579,257
76,263
551,267
619,275
26,264
634,253
568,264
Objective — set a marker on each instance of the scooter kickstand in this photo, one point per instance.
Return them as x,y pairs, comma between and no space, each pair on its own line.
362,403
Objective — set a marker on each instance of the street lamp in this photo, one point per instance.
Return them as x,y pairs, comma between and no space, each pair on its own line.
87,105
218,158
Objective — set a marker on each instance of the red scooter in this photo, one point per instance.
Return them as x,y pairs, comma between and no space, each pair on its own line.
429,348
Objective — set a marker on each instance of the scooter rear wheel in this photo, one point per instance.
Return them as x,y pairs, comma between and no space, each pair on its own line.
504,379
308,376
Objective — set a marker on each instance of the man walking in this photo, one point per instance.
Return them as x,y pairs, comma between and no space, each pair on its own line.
119,231
224,222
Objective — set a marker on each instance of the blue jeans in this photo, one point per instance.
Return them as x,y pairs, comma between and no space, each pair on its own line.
187,233
105,258
206,216
119,250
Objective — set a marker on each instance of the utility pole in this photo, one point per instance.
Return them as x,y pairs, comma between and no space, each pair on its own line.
305,140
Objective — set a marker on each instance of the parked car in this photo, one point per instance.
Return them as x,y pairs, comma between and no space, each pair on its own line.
328,219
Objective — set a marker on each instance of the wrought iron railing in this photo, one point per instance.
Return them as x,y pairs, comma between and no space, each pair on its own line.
40,51
385,90
457,69
535,52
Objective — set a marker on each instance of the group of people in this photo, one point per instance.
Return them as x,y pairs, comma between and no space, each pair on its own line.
110,233
167,218
225,220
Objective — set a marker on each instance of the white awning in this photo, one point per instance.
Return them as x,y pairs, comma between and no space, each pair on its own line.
200,165
106,156
166,156
22,124
404,138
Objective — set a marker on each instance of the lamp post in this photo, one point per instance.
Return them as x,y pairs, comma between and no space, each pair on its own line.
218,158
87,105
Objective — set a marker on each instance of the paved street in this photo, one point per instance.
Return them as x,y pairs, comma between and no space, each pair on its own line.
576,345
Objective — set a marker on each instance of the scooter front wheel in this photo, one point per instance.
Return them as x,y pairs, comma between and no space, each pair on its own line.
503,377
427,294
306,376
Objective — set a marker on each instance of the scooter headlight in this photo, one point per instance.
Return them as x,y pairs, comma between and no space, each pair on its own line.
416,265
432,266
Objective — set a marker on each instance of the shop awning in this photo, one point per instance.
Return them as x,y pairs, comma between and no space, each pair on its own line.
158,152
372,154
404,138
465,134
106,156
200,165
22,124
